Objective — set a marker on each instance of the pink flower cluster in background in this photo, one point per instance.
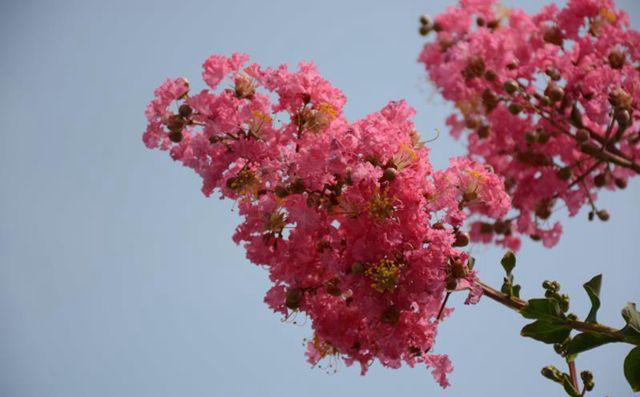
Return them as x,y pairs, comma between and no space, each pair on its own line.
353,225
550,101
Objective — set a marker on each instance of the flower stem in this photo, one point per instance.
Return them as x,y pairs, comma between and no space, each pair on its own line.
573,374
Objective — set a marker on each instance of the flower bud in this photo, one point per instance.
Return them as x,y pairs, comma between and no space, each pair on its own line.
564,173
281,191
424,30
616,59
600,180
490,75
510,86
576,117
559,348
483,131
543,137
623,117
587,380
292,298
489,100
426,20
603,215
531,136
185,110
582,135
553,373
388,174
620,99
553,35
589,148
475,68
175,136
174,123
461,239
480,21
620,183
543,210
553,74
515,109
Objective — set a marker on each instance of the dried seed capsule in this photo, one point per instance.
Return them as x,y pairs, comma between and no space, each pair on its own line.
554,93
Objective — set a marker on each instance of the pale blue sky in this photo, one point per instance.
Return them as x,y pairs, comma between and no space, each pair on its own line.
118,278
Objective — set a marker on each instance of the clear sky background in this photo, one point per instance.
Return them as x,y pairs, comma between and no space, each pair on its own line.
118,278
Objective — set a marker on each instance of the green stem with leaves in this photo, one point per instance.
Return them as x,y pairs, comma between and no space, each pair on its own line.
553,325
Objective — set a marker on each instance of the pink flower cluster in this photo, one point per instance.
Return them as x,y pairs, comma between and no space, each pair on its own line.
551,101
355,228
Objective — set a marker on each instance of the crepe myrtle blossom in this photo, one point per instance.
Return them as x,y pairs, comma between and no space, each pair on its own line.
355,228
550,101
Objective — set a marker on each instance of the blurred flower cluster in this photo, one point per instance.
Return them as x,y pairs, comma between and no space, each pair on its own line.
550,101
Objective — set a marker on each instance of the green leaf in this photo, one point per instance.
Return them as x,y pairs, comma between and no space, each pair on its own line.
542,309
568,386
546,332
508,262
632,369
631,316
587,341
593,290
